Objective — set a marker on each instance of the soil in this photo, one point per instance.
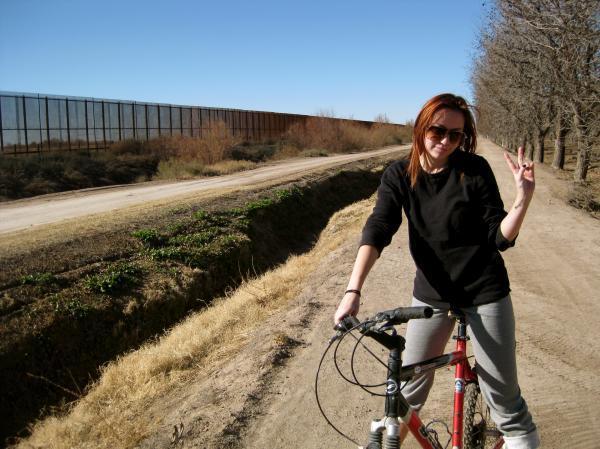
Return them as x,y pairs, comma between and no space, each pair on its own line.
73,248
264,395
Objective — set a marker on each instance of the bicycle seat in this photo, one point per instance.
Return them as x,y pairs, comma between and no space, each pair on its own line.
456,313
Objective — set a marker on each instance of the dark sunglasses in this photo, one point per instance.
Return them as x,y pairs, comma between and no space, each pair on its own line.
435,132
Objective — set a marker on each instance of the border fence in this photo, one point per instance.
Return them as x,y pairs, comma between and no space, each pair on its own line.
36,123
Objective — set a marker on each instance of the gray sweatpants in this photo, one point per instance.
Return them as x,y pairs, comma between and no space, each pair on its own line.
491,328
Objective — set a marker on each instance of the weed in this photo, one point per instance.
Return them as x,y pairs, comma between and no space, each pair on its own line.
117,277
200,215
258,204
69,306
178,227
39,279
195,239
168,253
284,194
149,237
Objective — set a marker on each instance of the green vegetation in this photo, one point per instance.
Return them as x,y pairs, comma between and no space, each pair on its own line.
72,307
149,237
117,277
39,279
200,239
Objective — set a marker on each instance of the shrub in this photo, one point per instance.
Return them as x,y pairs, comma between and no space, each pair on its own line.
323,134
115,278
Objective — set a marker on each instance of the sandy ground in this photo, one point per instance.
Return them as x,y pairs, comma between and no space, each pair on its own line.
264,396
47,209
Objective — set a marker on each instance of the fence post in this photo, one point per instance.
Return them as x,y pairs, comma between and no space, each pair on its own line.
68,124
48,125
87,127
25,124
200,122
181,121
158,112
133,121
103,125
119,116
146,121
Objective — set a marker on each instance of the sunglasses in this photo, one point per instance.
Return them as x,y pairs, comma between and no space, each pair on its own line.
435,132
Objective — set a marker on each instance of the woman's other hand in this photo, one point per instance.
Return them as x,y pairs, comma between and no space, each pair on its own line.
523,173
349,306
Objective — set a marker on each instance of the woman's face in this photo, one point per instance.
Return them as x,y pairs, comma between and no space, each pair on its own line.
443,137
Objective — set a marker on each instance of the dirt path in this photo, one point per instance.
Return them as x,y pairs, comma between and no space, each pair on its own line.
24,214
256,402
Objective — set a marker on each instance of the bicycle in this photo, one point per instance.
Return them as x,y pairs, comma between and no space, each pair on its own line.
476,431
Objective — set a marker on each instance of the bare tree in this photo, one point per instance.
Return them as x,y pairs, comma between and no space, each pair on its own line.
539,61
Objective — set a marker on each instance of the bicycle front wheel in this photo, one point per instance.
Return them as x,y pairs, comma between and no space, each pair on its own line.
479,430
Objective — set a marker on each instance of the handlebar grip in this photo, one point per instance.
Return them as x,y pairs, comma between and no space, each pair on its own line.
347,323
404,314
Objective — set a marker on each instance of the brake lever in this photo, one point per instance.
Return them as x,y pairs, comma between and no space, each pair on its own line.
344,326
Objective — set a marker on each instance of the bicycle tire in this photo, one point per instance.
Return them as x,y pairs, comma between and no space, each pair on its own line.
479,431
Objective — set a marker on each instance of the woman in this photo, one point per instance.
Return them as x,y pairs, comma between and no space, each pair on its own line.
457,226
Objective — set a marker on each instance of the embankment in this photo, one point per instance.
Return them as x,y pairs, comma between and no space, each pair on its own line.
82,303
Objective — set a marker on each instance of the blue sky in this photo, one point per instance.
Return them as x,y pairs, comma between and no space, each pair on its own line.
353,58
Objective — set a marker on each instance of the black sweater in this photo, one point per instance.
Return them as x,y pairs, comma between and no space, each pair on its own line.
454,229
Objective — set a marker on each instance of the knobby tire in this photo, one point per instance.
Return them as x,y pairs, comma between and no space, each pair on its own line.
477,421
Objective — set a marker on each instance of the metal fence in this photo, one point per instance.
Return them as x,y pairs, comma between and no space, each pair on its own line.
32,123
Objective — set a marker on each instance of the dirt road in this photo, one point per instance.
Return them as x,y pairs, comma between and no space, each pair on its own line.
24,214
555,279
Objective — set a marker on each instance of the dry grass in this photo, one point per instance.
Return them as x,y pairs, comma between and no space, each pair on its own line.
176,168
227,167
112,414
343,135
208,149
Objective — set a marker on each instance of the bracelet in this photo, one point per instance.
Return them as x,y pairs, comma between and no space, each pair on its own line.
352,291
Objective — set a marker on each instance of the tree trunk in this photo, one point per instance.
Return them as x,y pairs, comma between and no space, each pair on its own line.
529,147
583,144
583,163
558,161
539,147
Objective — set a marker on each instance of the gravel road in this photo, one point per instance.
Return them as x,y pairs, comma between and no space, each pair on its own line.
33,212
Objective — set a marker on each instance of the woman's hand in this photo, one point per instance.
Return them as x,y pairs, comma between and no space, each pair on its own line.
348,307
523,173
525,183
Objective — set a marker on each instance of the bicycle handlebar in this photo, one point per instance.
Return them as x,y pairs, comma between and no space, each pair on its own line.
404,314
395,316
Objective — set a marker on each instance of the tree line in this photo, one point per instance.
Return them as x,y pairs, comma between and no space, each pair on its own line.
536,76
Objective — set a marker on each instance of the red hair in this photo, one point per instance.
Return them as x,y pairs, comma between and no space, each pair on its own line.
423,121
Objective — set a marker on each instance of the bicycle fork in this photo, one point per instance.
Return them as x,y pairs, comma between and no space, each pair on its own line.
385,433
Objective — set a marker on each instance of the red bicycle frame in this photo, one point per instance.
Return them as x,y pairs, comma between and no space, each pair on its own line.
385,432
463,375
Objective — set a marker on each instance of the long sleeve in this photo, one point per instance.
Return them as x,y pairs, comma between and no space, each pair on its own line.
386,217
492,207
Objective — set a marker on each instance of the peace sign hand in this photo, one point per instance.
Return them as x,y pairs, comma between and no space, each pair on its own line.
523,173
